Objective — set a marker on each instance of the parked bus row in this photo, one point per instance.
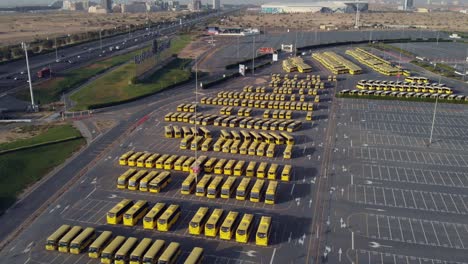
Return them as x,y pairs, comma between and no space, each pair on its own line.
373,61
244,147
278,114
398,86
265,104
191,108
450,97
231,187
242,122
241,112
171,131
128,213
336,63
233,225
263,96
295,77
297,84
118,249
144,180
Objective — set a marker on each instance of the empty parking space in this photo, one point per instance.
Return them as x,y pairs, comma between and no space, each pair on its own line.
375,257
414,118
418,176
417,231
379,139
439,131
410,199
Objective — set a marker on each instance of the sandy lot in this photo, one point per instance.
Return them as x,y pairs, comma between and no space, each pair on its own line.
309,21
15,28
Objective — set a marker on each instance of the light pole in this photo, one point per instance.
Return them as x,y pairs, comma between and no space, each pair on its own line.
100,38
433,120
25,47
253,56
56,52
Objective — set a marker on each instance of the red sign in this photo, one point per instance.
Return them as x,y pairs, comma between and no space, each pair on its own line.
266,50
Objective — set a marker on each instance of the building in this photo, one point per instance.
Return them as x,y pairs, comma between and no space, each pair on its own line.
216,4
134,7
409,5
97,10
315,7
173,5
107,5
195,5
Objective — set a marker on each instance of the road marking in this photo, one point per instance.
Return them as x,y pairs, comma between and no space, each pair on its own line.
273,256
28,247
89,194
66,207
292,189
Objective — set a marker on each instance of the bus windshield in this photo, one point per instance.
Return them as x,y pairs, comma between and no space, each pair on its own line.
241,232
209,226
192,224
269,197
241,193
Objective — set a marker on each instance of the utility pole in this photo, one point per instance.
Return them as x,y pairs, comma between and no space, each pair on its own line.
356,22
433,120
253,56
25,47
237,46
56,52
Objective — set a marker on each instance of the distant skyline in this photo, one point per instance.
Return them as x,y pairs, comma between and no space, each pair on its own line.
12,3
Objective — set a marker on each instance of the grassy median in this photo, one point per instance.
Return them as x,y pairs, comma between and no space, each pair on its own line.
24,167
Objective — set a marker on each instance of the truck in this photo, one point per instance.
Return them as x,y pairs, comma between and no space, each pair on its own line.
43,73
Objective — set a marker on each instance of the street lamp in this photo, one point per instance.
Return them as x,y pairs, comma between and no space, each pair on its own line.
25,47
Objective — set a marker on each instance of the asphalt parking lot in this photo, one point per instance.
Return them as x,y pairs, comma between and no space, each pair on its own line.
87,202
399,199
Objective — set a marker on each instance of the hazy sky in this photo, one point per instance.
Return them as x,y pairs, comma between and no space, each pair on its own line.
4,3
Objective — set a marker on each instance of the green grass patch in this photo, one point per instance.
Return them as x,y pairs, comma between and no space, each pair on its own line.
440,68
22,168
48,134
50,91
116,86
394,98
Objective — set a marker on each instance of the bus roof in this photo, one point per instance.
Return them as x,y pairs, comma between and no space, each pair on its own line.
59,233
112,247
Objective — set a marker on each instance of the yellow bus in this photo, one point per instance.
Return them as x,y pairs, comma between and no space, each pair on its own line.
115,215
270,153
294,126
184,143
122,255
253,149
229,226
196,143
52,240
64,242
228,187
263,232
228,169
209,165
246,135
243,150
234,148
279,140
169,163
177,132
143,185
269,139
99,244
239,168
150,162
256,137
83,240
287,154
188,185
134,181
135,213
250,172
136,256
243,189
171,254
141,160
195,256
261,170
261,149
288,138
213,223
160,161
225,135
122,181
202,184
197,224
206,145
123,159
186,131
272,171
218,168
107,255
226,146
214,188
218,144
151,256
187,164
168,218
245,228
160,182
236,135
179,163
286,173
257,191
270,195
149,221
132,161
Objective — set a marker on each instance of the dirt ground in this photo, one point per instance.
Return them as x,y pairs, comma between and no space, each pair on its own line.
14,132
196,48
309,21
16,27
